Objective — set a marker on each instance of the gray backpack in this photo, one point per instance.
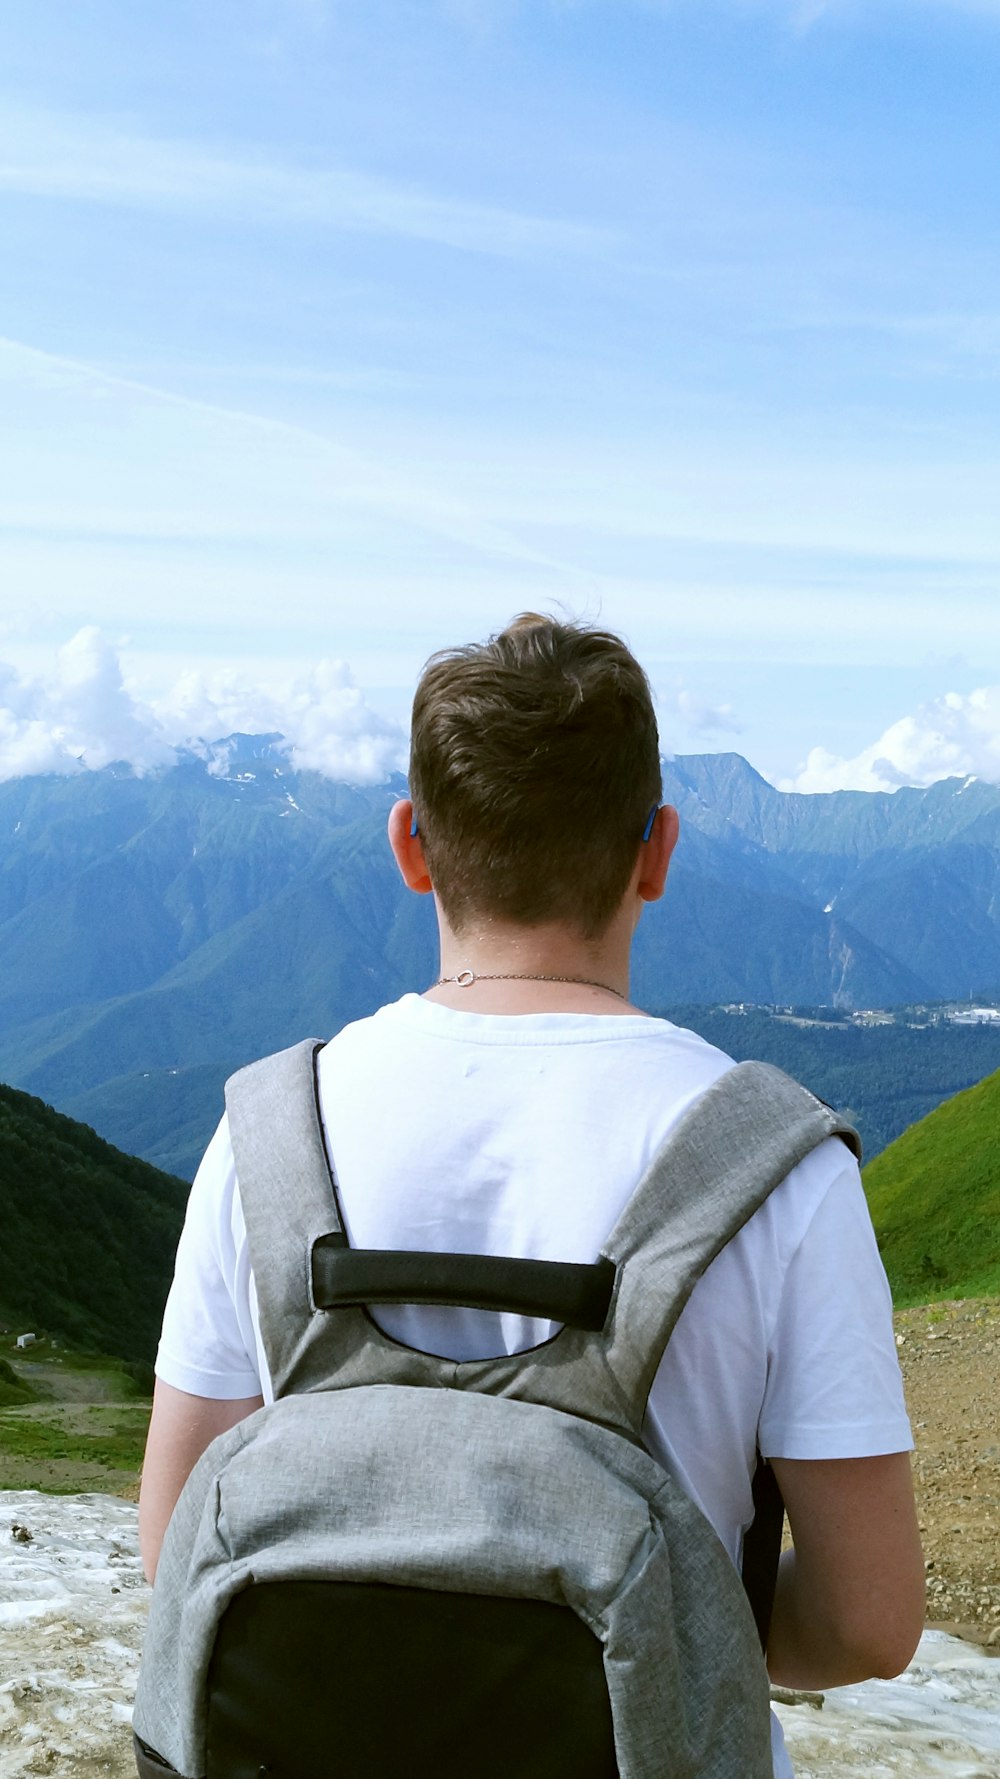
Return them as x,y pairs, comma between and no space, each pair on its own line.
407,1565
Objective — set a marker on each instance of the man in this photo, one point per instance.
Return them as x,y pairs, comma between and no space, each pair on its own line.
511,1109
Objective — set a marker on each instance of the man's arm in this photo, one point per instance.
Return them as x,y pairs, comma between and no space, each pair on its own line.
180,1429
850,1598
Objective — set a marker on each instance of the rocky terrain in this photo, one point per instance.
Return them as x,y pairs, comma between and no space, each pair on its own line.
73,1606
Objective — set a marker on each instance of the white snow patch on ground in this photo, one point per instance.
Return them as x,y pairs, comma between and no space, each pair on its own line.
939,1720
73,1608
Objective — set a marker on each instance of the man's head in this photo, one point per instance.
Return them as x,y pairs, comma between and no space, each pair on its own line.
534,766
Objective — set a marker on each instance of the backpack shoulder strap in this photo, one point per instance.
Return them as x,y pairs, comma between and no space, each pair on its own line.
716,1168
286,1190
303,1265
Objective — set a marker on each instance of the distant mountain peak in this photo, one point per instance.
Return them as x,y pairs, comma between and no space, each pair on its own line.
240,757
717,772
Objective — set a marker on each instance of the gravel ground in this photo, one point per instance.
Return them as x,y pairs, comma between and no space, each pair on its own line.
950,1354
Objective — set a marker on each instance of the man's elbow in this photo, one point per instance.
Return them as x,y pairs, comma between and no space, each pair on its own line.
897,1652
887,1643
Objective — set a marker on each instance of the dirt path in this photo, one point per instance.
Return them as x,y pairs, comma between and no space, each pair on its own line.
950,1355
53,1384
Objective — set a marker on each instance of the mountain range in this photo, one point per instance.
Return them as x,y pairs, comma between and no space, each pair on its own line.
157,931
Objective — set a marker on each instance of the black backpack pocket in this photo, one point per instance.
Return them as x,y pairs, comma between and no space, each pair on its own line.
317,1678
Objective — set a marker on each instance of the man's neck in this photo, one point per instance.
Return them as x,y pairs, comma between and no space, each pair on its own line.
547,969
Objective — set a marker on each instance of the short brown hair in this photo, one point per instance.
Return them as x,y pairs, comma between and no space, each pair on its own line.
534,764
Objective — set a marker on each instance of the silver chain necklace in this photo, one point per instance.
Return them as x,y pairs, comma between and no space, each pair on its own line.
466,978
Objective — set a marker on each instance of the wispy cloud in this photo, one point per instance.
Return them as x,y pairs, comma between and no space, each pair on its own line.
486,15
946,342
90,161
311,476
805,13
987,9
808,12
801,15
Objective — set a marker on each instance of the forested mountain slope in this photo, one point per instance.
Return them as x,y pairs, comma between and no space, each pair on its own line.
88,1234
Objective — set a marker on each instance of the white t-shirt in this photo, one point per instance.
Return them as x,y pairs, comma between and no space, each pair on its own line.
524,1135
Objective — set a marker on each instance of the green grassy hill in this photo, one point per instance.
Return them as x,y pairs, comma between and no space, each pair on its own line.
935,1200
88,1234
14,1391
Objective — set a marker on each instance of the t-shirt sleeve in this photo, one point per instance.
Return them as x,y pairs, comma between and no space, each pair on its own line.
207,1345
834,1388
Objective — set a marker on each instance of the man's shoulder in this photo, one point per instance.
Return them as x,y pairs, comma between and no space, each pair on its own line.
381,1031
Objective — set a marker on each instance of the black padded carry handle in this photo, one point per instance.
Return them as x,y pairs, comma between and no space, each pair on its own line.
556,1290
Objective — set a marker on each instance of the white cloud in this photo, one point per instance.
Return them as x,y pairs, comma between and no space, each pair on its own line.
81,715
44,155
322,715
677,704
955,736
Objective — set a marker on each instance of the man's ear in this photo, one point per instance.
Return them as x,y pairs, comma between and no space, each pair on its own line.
408,848
656,852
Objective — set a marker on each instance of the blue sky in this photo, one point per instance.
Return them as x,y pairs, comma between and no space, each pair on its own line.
335,330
